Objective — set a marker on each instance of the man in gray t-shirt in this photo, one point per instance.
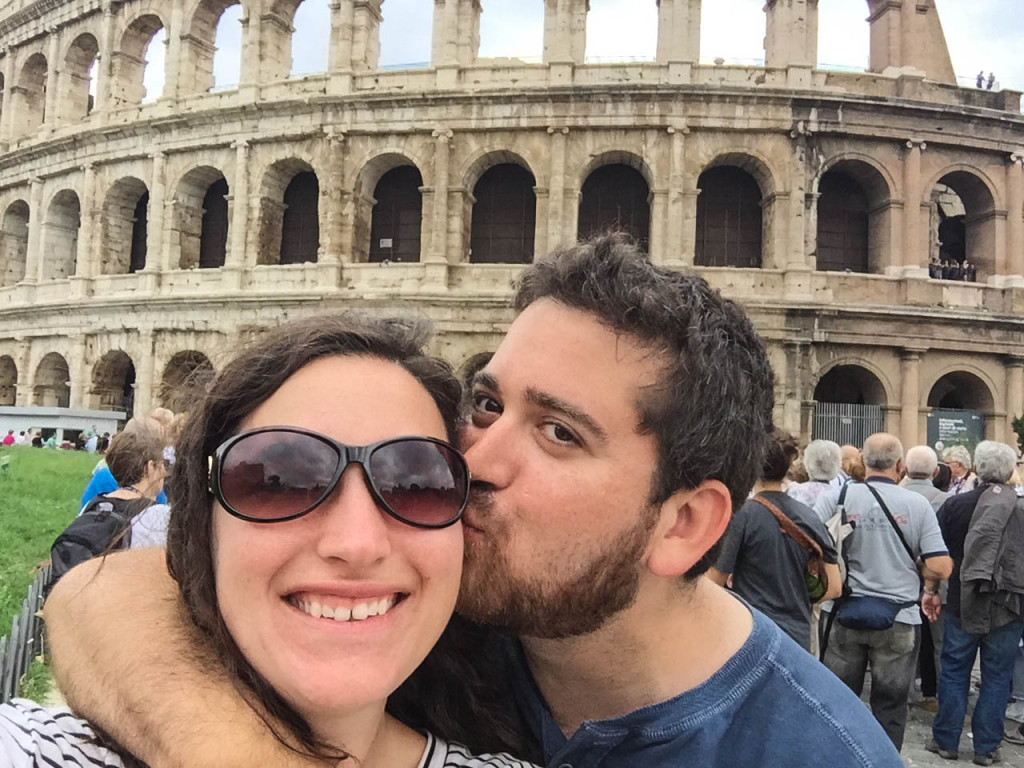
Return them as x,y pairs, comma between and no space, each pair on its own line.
879,566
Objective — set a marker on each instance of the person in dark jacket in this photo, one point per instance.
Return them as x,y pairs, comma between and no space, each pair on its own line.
979,543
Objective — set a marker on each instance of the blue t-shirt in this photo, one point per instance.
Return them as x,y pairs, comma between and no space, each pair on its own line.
103,482
771,705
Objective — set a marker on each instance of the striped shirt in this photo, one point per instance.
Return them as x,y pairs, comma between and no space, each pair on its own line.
32,736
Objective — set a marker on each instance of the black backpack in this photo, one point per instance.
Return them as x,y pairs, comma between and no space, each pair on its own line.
104,524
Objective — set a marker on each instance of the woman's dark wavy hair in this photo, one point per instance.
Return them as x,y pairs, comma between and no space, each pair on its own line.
436,693
711,413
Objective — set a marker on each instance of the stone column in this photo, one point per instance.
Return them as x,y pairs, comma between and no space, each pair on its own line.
912,193
679,37
34,250
52,77
791,39
87,262
910,397
236,260
175,52
1015,217
811,228
339,60
23,359
6,114
366,18
144,373
106,67
439,230
335,249
79,372
156,243
556,187
469,31
565,31
674,247
796,257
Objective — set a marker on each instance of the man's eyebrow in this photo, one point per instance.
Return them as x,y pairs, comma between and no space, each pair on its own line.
485,379
570,411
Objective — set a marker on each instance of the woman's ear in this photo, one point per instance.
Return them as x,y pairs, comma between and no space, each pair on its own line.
691,522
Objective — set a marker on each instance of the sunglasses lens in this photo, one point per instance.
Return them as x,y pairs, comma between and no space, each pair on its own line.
422,482
272,475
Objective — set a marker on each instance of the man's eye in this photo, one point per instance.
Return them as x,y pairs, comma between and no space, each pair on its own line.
482,402
560,434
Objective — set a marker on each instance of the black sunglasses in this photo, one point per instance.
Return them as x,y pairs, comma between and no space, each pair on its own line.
273,474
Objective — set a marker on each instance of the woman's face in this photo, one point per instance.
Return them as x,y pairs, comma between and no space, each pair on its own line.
957,469
347,554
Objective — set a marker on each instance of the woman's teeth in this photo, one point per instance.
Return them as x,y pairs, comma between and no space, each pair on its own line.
356,612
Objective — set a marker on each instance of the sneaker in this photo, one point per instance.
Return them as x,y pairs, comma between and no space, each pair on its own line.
928,704
1016,736
945,754
989,759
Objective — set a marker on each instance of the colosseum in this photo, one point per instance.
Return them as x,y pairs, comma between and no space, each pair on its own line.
143,234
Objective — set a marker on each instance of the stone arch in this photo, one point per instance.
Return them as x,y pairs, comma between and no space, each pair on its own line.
963,387
503,215
113,383
78,78
389,209
28,102
14,243
200,44
60,235
200,221
616,193
185,377
289,213
124,227
298,35
853,381
730,213
131,60
854,216
51,386
485,159
8,381
963,219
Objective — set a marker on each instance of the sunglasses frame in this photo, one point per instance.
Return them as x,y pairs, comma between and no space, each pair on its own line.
347,455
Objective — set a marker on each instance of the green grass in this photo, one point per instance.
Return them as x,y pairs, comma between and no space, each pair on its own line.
36,683
39,495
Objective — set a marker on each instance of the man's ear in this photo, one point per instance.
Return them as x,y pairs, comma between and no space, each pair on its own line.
690,523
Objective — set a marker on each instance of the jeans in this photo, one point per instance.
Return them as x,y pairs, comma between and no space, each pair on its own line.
998,654
891,653
931,650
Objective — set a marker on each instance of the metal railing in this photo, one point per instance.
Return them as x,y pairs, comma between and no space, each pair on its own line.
25,641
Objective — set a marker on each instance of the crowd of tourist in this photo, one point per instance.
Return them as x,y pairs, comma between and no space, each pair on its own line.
932,556
950,269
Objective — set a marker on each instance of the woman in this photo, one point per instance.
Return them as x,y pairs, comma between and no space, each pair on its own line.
137,465
959,460
315,538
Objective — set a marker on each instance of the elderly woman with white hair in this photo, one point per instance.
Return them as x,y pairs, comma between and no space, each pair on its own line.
961,466
823,461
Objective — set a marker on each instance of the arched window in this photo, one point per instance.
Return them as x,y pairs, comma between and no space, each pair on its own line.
60,236
139,64
185,379
300,228
605,26
843,230
963,227
504,216
14,243
728,219
28,103
213,241
848,405
124,227
227,59
616,196
397,214
8,381
78,80
311,38
113,383
52,385
405,34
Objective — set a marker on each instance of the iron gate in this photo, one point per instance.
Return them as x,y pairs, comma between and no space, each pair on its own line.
846,423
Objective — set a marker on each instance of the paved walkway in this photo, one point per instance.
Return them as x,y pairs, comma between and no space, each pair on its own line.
919,731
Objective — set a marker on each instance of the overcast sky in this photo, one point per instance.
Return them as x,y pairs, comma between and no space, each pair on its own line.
981,34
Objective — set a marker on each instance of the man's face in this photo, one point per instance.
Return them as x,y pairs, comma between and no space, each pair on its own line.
560,517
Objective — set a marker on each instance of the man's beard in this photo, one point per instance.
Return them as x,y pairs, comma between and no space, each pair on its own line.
604,584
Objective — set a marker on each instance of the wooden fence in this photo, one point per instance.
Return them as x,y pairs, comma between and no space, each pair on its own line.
25,641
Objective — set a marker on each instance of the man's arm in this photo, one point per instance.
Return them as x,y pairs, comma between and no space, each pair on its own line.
128,658
835,583
936,567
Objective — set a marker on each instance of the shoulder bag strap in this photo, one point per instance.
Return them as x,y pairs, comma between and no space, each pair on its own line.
895,526
790,528
823,645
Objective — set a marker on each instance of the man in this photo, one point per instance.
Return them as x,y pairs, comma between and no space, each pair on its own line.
922,468
879,566
767,564
612,433
984,529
